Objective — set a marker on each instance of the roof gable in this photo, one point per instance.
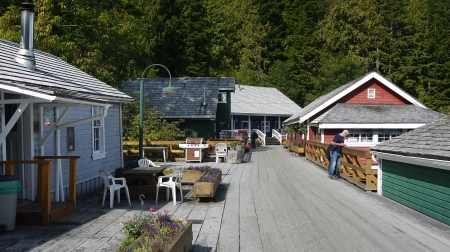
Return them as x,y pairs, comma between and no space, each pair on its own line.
187,103
53,79
254,100
341,92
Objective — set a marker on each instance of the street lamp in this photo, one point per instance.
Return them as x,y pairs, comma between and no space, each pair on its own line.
168,89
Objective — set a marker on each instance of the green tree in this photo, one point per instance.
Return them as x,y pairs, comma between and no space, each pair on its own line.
155,127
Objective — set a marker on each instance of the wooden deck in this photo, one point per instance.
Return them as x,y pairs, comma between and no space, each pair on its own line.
277,202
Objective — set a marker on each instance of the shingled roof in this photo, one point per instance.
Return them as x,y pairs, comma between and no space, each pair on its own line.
429,141
328,99
53,79
253,100
192,92
344,113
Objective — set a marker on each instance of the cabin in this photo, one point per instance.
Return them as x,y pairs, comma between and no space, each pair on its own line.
204,103
58,124
414,169
263,108
371,107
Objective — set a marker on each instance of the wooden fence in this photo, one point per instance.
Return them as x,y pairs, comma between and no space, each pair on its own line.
356,165
133,146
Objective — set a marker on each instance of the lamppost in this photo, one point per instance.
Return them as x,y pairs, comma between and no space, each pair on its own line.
168,89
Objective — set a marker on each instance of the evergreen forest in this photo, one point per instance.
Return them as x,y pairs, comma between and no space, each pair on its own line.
305,48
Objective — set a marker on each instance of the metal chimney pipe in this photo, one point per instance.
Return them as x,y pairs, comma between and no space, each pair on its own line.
25,56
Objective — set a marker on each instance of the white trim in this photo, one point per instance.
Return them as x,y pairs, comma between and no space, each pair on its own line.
433,163
224,97
372,126
371,93
370,76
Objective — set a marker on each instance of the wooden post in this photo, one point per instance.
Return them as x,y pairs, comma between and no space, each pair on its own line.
46,203
9,169
73,180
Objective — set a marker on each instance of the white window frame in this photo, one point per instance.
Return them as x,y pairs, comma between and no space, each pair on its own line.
397,132
222,97
371,93
98,135
276,125
245,122
265,128
356,136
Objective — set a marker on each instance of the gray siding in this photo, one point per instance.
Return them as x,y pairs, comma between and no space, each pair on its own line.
87,170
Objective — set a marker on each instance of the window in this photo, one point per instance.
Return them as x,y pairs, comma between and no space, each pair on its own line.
277,126
371,93
222,97
98,135
245,125
360,136
386,134
266,127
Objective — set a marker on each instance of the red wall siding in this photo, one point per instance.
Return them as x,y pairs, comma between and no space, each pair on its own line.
383,95
329,134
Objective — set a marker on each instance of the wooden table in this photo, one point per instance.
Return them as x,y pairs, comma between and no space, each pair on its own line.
147,174
135,179
165,150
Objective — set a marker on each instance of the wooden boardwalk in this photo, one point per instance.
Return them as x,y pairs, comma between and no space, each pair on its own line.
276,202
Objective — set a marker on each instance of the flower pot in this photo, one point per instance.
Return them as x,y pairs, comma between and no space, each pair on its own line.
207,189
181,242
235,156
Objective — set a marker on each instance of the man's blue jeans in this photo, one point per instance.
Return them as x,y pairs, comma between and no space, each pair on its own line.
335,163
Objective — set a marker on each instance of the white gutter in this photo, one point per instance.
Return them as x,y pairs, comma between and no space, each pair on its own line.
371,126
433,163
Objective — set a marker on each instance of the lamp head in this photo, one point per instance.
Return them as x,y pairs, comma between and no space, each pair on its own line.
170,90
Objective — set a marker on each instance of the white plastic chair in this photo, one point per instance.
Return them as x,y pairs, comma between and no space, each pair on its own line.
221,151
146,163
172,182
110,183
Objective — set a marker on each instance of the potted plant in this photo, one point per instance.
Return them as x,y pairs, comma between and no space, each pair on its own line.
236,145
207,184
236,153
149,231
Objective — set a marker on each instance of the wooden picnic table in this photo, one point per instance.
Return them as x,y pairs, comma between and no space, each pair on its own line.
147,174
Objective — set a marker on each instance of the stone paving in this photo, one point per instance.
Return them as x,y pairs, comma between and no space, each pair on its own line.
276,201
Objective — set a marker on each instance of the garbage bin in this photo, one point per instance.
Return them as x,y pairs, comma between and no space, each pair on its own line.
9,186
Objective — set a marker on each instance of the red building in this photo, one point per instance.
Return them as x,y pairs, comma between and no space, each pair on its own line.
372,108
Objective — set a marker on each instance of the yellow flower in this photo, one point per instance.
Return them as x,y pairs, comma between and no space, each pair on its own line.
181,220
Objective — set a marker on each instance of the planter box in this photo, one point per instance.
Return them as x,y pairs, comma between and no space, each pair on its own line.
207,189
182,242
189,176
299,150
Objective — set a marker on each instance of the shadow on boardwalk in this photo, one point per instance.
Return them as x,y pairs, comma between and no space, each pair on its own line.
276,202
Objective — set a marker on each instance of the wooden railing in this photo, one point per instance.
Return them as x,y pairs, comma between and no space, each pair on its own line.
356,165
171,144
44,181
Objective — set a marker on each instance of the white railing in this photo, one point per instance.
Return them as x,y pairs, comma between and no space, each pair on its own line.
277,135
262,136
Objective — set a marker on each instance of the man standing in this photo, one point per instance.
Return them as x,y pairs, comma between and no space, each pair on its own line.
336,153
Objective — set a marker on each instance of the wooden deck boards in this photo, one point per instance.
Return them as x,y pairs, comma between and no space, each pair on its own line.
277,202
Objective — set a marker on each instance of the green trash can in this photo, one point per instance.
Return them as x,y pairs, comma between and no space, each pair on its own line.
9,186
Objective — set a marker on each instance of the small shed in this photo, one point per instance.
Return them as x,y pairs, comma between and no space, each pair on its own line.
263,108
414,169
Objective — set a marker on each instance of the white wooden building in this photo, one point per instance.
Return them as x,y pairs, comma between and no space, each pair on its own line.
49,107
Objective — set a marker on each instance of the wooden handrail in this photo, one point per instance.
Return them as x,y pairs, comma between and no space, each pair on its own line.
356,165
43,183
72,174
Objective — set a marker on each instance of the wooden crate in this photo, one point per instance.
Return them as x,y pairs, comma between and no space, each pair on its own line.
207,189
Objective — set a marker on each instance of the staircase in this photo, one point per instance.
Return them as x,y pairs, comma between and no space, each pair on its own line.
272,141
